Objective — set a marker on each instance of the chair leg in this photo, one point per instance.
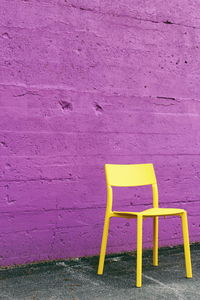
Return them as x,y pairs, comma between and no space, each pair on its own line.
188,265
103,246
139,252
155,241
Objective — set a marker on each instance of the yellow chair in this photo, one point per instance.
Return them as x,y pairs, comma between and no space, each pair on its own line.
138,175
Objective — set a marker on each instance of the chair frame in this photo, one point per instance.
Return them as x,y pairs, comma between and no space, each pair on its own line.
112,171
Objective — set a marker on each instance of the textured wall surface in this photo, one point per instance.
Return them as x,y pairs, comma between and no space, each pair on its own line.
83,83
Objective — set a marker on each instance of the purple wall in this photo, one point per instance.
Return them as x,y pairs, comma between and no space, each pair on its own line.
83,83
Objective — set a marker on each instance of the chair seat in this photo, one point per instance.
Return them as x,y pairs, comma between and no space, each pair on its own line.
162,211
151,212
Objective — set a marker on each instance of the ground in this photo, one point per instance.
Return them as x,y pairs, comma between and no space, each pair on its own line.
77,279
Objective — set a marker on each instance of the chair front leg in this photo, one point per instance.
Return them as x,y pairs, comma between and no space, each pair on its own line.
103,245
155,241
188,265
139,251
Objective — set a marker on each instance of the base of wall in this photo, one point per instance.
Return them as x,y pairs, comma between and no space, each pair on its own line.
147,253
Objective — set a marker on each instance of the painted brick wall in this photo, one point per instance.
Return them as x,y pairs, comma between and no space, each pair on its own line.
83,83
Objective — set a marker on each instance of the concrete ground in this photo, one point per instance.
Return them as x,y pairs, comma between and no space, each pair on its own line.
77,279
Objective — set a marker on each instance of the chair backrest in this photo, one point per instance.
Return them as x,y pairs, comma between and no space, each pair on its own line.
130,175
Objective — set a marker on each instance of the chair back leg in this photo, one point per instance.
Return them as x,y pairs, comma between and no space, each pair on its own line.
155,241
103,245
